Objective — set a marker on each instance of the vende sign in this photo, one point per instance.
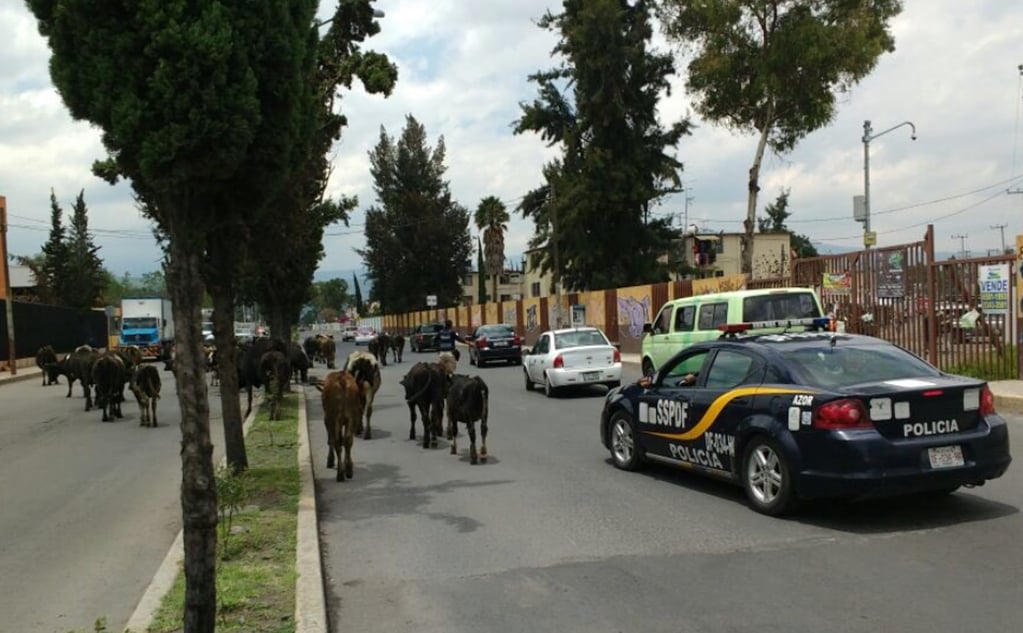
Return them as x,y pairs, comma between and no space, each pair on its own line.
994,288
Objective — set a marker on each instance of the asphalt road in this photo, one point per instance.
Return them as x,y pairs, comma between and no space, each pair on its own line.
548,536
88,509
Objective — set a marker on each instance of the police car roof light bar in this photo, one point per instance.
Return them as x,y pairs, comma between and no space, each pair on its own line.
739,328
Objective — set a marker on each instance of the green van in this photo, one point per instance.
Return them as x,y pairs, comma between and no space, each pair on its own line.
682,322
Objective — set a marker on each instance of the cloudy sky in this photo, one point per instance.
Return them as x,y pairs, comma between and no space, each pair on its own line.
463,66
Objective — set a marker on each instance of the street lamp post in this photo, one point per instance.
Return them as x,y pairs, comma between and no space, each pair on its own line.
868,136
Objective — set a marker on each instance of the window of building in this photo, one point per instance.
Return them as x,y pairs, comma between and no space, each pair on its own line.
534,289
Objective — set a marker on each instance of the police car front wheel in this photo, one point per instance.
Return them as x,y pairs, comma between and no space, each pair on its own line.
767,478
624,452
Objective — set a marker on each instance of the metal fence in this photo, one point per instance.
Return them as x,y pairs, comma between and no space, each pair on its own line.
37,324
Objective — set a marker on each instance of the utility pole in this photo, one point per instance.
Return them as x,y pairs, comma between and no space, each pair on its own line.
962,244
868,135
1001,229
12,355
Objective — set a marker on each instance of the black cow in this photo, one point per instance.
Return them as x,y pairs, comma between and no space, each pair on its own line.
379,347
109,375
145,384
249,358
300,363
397,347
468,401
425,388
46,360
78,366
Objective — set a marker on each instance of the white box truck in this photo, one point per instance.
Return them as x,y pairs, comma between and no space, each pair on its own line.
148,323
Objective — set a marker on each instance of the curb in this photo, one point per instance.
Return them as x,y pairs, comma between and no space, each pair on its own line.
167,573
1009,404
24,373
310,601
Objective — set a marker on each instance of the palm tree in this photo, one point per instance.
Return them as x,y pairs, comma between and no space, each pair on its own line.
492,218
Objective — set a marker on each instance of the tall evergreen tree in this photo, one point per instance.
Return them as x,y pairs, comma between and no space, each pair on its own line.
55,266
417,239
84,276
358,295
481,296
616,161
491,217
774,67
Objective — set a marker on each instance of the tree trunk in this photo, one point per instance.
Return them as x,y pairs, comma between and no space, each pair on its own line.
198,483
278,324
227,361
493,284
751,202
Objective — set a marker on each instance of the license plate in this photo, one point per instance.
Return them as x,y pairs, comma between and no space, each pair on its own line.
500,343
591,375
945,456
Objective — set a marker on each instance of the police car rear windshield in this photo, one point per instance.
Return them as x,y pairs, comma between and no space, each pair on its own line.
845,365
776,307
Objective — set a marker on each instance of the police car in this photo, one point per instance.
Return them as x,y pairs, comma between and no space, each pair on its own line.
806,414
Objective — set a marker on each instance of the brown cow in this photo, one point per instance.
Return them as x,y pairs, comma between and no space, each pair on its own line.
342,411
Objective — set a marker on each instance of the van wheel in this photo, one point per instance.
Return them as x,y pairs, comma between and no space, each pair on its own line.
648,368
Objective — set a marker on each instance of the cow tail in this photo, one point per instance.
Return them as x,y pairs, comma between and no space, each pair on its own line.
417,396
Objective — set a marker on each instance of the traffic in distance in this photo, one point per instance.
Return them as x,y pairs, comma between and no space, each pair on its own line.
794,415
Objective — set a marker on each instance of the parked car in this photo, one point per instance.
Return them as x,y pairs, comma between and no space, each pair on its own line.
494,342
348,333
570,358
808,415
424,337
363,336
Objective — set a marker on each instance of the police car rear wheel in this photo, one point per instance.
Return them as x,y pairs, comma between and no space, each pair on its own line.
624,453
766,477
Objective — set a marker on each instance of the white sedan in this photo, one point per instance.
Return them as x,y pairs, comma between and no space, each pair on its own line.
572,357
364,336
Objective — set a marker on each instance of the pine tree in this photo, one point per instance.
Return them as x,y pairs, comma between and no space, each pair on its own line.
480,278
55,266
85,278
358,295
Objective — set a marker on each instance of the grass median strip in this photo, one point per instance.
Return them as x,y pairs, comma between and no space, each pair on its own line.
257,538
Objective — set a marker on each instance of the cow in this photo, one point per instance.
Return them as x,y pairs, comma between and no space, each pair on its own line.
300,363
145,384
46,360
212,364
249,357
397,347
275,372
109,375
425,389
379,347
342,411
321,348
78,366
366,370
468,401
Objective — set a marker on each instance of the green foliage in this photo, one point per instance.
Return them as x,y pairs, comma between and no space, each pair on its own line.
774,222
358,295
481,296
600,106
330,295
774,67
417,238
492,217
232,495
54,279
1002,367
85,279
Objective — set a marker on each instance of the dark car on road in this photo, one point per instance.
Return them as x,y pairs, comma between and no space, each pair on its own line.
809,415
494,342
424,337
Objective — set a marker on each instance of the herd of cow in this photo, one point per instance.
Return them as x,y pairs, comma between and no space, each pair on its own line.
272,364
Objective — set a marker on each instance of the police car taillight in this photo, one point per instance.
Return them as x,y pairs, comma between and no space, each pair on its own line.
559,362
987,401
841,414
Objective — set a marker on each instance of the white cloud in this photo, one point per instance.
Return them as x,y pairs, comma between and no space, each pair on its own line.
463,71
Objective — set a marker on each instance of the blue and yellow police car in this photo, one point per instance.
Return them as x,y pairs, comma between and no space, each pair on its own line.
808,414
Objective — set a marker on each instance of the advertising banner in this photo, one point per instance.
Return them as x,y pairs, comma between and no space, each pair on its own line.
994,288
837,283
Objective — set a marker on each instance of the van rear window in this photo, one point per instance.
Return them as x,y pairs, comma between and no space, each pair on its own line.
775,307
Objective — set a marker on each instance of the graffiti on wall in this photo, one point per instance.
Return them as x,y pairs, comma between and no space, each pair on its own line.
509,314
632,314
533,318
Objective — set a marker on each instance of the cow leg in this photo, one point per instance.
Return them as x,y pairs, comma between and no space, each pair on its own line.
152,416
88,398
473,457
349,438
369,418
451,435
412,424
483,437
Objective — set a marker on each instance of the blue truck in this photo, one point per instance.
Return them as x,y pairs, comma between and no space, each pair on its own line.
148,323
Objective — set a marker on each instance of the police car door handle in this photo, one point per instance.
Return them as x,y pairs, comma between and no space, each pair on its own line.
742,402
